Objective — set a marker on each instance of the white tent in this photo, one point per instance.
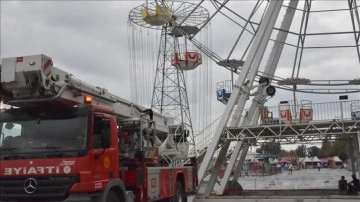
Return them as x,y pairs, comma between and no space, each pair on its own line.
307,160
315,159
336,159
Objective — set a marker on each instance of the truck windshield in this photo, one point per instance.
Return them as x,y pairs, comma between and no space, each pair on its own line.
41,132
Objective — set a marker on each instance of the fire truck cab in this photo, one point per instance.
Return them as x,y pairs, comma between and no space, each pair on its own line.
63,139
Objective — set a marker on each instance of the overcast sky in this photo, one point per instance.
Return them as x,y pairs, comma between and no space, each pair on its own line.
89,39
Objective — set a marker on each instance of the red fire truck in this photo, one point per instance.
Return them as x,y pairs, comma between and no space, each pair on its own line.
63,139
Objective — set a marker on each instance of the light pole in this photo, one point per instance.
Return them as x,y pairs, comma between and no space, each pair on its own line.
350,140
341,98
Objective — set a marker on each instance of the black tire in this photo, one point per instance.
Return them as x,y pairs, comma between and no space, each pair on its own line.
180,194
270,90
112,197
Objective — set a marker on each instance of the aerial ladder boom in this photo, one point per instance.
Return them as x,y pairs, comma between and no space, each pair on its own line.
33,81
94,140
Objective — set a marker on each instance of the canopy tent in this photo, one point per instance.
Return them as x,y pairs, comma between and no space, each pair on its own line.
336,159
275,161
285,159
324,160
315,159
307,160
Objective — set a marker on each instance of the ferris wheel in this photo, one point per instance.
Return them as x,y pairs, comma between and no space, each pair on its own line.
306,39
177,62
298,56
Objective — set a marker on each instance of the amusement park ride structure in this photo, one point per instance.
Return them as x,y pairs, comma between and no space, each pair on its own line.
175,57
148,147
246,131
296,123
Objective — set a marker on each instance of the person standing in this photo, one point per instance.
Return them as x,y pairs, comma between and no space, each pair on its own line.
318,166
290,169
263,170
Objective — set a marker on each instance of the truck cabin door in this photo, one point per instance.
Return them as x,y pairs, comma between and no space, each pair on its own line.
105,149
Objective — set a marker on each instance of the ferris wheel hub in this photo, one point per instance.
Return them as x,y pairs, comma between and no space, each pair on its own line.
182,30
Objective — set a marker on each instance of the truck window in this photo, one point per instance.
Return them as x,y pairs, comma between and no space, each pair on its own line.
8,131
101,132
43,132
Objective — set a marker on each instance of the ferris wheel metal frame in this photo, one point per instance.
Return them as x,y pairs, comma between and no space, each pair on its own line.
242,92
292,83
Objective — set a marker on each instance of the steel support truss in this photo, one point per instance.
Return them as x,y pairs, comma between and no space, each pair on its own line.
301,133
249,133
169,92
239,96
242,144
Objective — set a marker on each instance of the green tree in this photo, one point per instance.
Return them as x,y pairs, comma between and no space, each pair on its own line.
336,148
293,156
269,148
301,151
340,149
326,149
314,151
292,153
283,153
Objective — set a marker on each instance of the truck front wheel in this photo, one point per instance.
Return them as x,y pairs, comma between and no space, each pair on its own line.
180,194
112,197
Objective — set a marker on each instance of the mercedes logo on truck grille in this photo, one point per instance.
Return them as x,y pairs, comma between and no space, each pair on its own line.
30,185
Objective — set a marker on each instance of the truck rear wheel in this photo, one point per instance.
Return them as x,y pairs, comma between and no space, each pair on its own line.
112,197
180,194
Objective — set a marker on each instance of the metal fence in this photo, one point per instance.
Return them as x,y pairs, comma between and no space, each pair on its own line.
303,111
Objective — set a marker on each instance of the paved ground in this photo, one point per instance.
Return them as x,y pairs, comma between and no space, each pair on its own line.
302,184
300,179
